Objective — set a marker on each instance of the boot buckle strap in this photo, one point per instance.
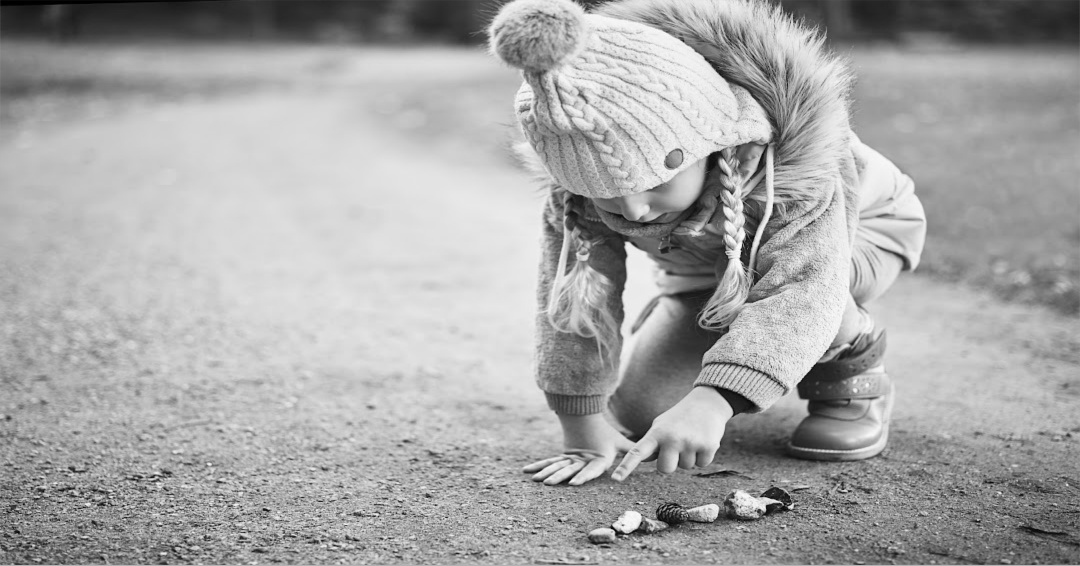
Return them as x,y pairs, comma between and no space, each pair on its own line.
865,386
836,370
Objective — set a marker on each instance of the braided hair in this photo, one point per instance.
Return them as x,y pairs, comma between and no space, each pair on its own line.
734,285
577,302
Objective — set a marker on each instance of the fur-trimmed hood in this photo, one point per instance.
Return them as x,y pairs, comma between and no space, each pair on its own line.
804,88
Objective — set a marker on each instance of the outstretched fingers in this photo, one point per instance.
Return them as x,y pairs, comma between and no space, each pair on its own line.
591,471
565,473
642,450
545,473
537,466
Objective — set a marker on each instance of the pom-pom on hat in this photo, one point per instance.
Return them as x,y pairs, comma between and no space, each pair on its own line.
613,107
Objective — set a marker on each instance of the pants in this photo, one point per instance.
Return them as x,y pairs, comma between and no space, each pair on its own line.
668,345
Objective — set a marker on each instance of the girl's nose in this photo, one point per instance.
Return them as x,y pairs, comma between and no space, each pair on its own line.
634,211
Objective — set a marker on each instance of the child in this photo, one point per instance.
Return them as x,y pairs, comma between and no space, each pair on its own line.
715,136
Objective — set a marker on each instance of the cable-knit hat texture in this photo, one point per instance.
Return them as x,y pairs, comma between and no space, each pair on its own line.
615,107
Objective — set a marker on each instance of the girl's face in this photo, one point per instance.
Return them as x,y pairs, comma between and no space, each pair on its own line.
660,204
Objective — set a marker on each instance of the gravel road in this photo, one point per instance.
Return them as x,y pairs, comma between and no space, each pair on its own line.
268,328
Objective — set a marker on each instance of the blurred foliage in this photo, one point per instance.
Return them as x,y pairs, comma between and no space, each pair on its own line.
462,21
1001,21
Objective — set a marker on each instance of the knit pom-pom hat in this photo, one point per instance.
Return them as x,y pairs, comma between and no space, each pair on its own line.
614,107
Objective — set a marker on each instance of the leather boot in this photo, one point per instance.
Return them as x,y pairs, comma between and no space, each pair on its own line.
850,401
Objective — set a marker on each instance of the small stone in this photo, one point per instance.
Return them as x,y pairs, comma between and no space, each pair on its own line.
743,506
650,526
672,513
627,523
603,535
704,513
779,500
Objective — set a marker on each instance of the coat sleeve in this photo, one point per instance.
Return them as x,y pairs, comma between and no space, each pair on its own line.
795,307
569,369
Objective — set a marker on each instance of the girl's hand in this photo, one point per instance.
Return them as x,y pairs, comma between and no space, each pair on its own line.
591,445
684,436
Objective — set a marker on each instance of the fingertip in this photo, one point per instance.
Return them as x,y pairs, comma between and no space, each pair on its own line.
581,478
534,467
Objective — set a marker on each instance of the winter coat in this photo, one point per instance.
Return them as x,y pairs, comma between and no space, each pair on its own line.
828,187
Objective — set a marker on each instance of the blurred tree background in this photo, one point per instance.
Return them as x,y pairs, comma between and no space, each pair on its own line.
459,21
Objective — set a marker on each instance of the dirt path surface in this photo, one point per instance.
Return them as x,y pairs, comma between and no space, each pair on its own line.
265,329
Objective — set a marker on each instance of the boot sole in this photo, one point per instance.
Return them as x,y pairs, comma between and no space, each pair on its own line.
840,455
849,455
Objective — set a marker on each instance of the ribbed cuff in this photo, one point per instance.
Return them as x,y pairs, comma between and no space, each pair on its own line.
756,386
576,404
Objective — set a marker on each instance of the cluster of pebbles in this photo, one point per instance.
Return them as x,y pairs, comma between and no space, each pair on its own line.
737,505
